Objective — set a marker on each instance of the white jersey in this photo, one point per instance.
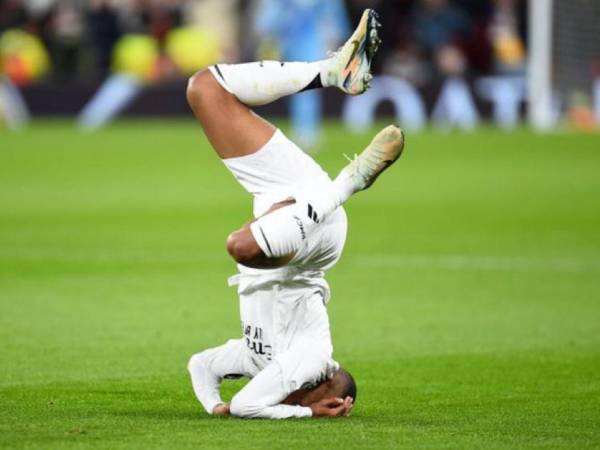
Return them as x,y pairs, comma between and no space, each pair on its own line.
274,173
286,340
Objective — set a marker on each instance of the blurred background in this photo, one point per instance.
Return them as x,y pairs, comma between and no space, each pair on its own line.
466,303
450,63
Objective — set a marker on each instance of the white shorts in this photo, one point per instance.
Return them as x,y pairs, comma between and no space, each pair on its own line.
299,342
279,170
283,312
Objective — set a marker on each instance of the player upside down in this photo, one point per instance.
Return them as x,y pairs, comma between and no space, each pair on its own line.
298,232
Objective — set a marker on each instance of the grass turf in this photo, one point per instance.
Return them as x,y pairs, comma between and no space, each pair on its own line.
466,304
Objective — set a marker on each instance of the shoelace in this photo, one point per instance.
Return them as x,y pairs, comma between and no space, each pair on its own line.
354,162
350,160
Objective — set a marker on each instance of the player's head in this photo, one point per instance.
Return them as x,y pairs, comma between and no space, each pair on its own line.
341,385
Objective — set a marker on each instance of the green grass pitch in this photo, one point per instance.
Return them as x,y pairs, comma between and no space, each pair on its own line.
467,303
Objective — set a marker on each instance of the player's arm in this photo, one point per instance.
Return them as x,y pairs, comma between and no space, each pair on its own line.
265,397
327,407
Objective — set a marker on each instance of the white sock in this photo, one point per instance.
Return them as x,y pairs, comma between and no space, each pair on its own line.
344,186
259,83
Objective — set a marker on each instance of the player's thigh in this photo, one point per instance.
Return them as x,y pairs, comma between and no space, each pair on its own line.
278,171
230,126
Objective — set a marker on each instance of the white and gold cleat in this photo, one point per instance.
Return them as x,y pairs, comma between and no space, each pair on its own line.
350,67
383,151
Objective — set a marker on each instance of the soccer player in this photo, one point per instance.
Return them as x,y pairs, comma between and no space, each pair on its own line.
298,232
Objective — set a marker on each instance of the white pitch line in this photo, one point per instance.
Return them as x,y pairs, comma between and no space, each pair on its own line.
99,256
388,260
477,262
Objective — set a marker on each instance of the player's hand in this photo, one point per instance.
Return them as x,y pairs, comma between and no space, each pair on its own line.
332,407
221,410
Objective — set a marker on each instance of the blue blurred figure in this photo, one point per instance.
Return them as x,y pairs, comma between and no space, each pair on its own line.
304,30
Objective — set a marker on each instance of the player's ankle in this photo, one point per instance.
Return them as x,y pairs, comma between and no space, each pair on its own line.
345,186
326,72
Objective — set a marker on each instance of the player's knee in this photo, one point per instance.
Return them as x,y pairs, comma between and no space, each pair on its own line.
196,85
242,247
201,87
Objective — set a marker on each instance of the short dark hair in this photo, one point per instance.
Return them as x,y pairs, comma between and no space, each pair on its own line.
349,385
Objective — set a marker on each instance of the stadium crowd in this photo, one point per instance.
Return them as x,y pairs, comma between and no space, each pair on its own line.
439,58
423,39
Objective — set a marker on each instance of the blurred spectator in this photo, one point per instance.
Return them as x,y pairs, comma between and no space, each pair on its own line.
304,30
509,49
152,47
221,17
67,36
422,39
12,14
104,31
430,47
440,30
438,23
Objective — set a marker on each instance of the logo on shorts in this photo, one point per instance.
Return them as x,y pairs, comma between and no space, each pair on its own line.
254,341
301,226
312,214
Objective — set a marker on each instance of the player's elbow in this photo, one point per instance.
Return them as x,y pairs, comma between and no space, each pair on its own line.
196,363
242,247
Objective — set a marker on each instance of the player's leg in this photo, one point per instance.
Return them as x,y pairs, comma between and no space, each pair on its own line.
208,368
221,95
273,239
219,100
231,127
